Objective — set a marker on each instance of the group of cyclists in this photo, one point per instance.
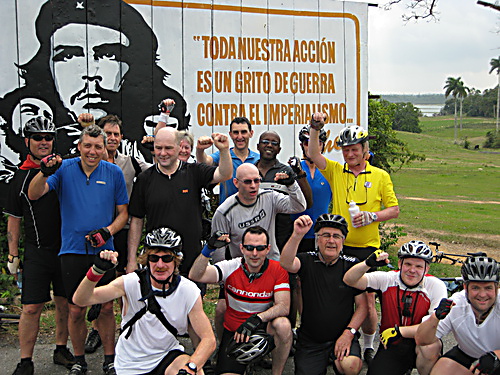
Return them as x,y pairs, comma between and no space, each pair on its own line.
274,249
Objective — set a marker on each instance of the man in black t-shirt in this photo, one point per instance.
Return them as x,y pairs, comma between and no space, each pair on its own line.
169,195
42,241
329,321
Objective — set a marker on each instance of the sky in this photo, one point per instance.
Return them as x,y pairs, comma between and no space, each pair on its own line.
417,57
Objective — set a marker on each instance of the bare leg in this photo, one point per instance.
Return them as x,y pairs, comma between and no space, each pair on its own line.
77,328
281,329
350,365
447,366
62,312
220,311
107,327
427,357
29,324
369,326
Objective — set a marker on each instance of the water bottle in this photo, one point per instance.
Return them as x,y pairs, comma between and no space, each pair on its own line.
353,211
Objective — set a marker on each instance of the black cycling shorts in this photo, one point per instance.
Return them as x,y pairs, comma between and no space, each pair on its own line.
41,268
120,240
395,360
312,358
226,363
165,362
360,252
456,354
75,267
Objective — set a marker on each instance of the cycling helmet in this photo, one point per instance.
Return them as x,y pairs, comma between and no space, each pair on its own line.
39,124
480,269
164,238
352,135
331,221
305,131
415,249
257,346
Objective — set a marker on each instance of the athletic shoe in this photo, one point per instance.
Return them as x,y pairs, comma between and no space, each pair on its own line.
78,369
368,355
93,341
24,368
109,369
64,358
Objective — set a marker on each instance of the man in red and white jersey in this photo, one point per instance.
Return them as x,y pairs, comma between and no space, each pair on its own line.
407,296
257,294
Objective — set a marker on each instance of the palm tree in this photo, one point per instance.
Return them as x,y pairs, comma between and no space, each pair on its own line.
462,93
495,65
454,86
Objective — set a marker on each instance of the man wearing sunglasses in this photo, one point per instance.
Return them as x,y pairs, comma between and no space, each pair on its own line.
329,320
158,305
370,188
93,204
257,294
407,296
42,229
240,131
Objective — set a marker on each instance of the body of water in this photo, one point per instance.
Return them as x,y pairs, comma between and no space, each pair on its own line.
429,109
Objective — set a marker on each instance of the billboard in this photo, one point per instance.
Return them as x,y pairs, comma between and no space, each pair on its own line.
275,62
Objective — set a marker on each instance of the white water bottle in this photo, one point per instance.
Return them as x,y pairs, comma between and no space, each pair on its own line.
353,211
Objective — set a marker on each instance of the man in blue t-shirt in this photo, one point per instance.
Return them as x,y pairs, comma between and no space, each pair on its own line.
240,131
89,191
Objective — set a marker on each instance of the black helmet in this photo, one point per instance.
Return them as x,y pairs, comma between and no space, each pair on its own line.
164,238
352,135
257,346
39,124
480,269
415,249
331,221
305,131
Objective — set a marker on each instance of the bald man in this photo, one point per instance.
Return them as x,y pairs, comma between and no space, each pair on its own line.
169,195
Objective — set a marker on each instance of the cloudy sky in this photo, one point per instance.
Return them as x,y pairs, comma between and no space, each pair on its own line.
418,57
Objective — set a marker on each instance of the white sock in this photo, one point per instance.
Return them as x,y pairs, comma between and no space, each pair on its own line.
368,340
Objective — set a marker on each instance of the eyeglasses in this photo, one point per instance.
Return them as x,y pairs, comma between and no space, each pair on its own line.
39,137
253,247
153,258
267,142
407,301
249,181
327,236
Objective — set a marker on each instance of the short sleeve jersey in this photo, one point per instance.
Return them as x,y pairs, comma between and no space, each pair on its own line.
322,196
244,298
149,340
472,338
328,302
42,220
175,202
227,188
420,300
370,190
87,203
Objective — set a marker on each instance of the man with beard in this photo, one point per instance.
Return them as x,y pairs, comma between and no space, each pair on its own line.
473,316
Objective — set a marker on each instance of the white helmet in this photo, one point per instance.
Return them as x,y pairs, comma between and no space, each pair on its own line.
415,249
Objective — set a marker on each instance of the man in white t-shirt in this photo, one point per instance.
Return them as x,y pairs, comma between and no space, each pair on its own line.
473,315
158,304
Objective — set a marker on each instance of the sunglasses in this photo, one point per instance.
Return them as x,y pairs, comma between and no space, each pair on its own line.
39,137
153,258
267,142
253,247
249,181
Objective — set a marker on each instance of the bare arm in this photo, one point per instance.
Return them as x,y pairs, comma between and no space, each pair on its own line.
203,272
288,259
314,147
225,169
202,144
426,332
203,329
306,190
356,278
388,213
281,307
164,115
38,187
13,234
134,236
120,219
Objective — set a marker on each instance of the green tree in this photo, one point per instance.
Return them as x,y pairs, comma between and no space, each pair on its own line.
390,152
495,66
406,118
454,87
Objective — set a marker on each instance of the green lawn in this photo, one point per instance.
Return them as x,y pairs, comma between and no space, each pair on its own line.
455,175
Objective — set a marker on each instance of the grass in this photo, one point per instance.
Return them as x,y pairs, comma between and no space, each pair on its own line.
449,180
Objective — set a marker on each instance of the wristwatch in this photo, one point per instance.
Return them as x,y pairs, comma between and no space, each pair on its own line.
192,366
374,216
352,330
